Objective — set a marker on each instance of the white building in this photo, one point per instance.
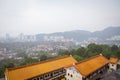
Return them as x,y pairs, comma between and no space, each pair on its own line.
26,38
113,64
72,73
89,69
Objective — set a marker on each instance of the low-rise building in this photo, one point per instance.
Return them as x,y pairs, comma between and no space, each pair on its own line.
64,68
89,69
47,70
113,64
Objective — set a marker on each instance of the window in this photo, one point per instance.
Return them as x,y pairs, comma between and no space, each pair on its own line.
34,79
90,76
71,75
41,77
46,76
94,74
51,74
68,74
38,78
62,70
104,68
98,71
55,72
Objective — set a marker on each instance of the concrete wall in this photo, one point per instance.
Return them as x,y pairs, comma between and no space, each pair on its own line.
112,66
72,74
5,78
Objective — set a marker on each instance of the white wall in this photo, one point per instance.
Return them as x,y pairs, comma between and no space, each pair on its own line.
75,74
6,77
112,66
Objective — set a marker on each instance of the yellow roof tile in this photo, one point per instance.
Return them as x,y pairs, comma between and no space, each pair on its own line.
29,71
90,65
113,60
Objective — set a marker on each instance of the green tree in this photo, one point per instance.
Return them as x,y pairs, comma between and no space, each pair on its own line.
5,65
106,51
117,54
43,57
63,52
2,69
94,48
10,65
80,51
72,52
114,48
78,58
28,60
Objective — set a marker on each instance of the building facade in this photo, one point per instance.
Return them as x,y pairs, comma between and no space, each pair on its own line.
47,70
73,73
64,68
89,69
113,64
53,75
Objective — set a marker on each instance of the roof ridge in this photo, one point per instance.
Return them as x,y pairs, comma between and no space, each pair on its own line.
94,57
57,58
89,59
113,60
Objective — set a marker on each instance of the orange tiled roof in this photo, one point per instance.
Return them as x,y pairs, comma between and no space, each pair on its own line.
90,65
29,71
113,60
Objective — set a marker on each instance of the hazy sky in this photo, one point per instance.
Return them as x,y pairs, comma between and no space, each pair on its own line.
47,16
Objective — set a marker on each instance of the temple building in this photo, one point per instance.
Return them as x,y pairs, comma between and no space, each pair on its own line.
89,69
47,70
113,64
64,68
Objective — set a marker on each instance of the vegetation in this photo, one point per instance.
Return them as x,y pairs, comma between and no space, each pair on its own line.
92,50
28,60
7,63
79,54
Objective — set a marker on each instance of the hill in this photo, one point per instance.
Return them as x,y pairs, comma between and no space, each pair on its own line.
80,35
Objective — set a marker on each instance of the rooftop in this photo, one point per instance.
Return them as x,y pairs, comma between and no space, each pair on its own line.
29,71
113,60
90,65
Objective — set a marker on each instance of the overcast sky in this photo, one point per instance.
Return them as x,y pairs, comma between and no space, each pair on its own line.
48,16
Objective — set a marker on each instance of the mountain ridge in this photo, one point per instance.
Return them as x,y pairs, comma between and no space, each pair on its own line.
80,35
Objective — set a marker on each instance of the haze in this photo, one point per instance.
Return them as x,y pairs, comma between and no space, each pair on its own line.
48,16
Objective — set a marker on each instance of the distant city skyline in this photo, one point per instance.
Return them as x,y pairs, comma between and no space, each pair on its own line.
49,16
